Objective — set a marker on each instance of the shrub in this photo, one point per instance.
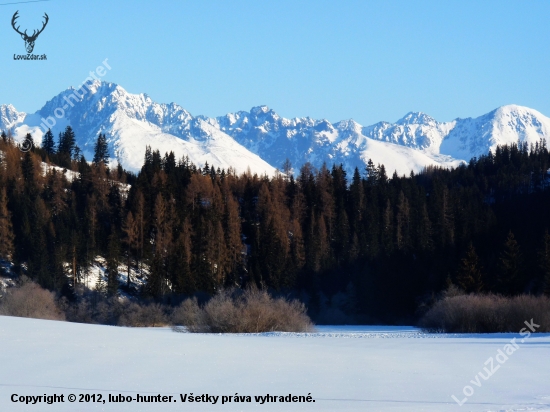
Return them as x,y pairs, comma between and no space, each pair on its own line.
189,314
80,312
114,311
486,314
136,315
250,312
30,301
222,315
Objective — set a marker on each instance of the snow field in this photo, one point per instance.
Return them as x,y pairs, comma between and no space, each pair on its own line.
343,368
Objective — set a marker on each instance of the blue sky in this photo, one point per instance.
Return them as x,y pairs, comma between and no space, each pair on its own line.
366,60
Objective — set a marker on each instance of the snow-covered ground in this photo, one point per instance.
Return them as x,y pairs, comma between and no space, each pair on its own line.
90,277
343,368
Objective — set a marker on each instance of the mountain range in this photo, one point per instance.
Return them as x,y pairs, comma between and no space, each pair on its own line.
261,140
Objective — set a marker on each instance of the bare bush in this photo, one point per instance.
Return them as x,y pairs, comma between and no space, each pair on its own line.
30,301
258,313
222,314
80,312
189,313
137,315
486,314
115,311
291,316
250,312
105,312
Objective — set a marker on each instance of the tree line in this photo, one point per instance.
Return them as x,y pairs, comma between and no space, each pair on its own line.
386,244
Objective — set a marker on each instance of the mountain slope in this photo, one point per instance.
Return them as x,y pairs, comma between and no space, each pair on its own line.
316,141
413,142
505,125
131,122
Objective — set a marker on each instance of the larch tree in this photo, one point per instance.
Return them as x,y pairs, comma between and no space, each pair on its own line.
180,262
112,264
162,243
140,221
232,229
6,229
131,231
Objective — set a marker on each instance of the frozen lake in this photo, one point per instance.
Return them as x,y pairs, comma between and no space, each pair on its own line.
344,368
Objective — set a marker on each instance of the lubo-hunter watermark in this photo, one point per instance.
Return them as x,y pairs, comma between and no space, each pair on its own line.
29,39
76,96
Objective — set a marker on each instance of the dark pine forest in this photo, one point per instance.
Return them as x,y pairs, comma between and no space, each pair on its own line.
373,245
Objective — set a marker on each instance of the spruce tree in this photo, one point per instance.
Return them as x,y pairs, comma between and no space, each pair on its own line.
101,286
48,144
67,142
27,167
66,146
101,150
388,228
372,173
28,143
382,176
544,262
469,276
357,213
425,232
510,264
148,160
403,221
287,168
77,153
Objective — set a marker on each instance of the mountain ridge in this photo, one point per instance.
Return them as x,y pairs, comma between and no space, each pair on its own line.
261,140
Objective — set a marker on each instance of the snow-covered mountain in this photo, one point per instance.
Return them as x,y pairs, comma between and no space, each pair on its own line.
262,140
9,116
131,122
411,143
316,141
505,125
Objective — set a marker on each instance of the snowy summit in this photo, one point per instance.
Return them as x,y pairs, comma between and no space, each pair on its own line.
261,140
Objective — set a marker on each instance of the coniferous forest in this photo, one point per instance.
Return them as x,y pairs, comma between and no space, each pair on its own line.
373,245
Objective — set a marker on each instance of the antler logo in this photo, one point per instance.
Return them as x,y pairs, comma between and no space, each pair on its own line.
29,40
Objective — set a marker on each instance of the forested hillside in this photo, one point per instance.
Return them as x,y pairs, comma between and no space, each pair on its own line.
380,246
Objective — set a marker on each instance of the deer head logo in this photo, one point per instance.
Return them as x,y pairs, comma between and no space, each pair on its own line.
29,40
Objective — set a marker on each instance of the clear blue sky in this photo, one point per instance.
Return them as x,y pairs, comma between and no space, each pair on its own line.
366,60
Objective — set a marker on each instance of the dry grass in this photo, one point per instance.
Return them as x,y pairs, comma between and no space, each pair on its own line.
487,314
250,312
